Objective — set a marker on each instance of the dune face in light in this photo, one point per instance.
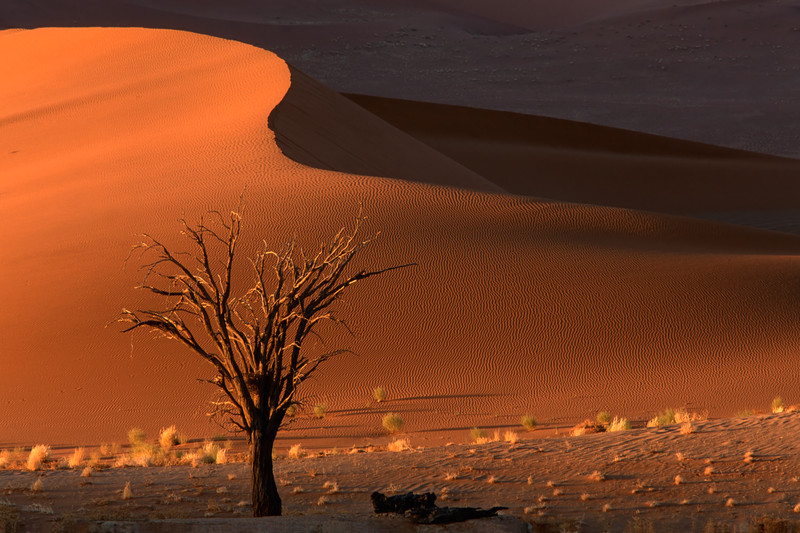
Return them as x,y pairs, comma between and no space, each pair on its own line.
516,302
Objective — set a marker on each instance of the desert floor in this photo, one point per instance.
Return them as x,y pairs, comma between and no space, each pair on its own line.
726,473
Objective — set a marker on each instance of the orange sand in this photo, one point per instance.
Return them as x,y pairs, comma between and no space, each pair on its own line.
518,304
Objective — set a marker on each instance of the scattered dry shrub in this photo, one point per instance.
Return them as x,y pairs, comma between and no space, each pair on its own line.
450,476
296,451
679,479
597,476
392,422
127,494
585,428
528,422
76,458
136,437
618,424
603,418
168,437
87,472
730,502
687,427
320,410
777,405
511,437
39,455
478,436
37,486
748,457
331,486
379,394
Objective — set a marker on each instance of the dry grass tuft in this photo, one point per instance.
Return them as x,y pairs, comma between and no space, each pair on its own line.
136,437
392,422
450,476
606,507
296,451
687,427
76,458
777,405
331,486
730,502
679,479
585,428
297,490
39,455
491,480
796,508
557,492
379,394
748,457
597,476
168,437
37,486
708,470
528,422
585,497
87,472
320,410
680,457
618,424
127,494
511,437
673,416
399,445
324,500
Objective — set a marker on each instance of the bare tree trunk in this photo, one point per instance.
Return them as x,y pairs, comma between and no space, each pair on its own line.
266,500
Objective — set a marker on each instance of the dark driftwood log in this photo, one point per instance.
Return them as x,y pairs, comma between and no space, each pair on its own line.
422,509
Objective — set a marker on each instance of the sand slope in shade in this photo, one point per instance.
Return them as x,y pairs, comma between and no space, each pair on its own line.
578,162
516,304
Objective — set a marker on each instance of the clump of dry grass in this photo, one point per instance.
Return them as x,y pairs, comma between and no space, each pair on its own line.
618,424
597,476
297,490
379,394
39,455
603,418
511,437
730,502
748,457
606,507
585,428
331,486
478,436
679,479
76,458
127,493
777,405
37,486
168,437
491,480
528,422
680,457
136,437
87,472
585,497
296,451
324,500
320,410
687,427
708,470
392,422
796,508
450,476
673,416
399,445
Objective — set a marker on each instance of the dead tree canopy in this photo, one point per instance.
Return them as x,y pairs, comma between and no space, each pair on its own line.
253,338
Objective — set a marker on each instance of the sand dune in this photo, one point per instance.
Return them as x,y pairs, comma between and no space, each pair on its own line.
720,72
517,304
578,162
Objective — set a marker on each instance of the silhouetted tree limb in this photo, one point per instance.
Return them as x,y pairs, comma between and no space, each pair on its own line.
254,340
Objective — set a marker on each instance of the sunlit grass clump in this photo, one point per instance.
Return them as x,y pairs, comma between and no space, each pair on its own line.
39,455
392,422
528,422
379,394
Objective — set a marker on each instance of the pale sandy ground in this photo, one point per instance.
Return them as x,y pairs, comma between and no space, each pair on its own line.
723,72
547,482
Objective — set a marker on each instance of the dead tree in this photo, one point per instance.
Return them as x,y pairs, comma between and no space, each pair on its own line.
254,339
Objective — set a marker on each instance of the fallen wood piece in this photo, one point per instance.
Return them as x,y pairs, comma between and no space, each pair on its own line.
422,509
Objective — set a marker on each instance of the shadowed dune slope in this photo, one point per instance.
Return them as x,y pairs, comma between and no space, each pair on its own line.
585,163
516,305
361,144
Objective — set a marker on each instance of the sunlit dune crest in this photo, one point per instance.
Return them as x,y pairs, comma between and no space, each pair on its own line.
517,304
